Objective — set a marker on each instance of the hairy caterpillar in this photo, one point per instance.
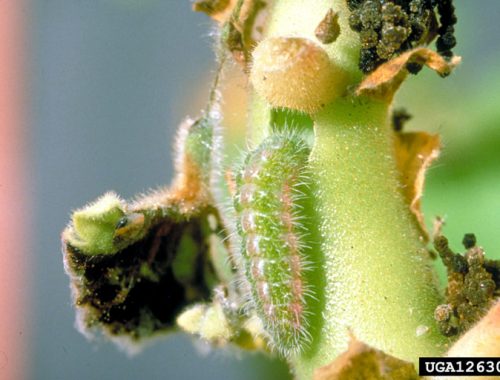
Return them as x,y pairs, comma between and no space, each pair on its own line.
271,187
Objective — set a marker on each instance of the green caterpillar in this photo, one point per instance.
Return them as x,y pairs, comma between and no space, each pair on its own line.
269,201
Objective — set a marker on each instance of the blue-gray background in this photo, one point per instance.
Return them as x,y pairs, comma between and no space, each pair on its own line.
110,82
111,79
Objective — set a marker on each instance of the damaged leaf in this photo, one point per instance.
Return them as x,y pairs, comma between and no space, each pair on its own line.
139,290
219,10
134,267
328,29
241,24
362,362
415,151
386,79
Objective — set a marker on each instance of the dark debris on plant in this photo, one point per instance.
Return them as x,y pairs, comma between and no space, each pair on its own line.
399,117
140,290
473,285
390,27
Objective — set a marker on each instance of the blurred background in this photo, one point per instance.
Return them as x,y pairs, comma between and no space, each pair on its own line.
95,90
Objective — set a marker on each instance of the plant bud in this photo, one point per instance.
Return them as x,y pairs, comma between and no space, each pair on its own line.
295,73
95,225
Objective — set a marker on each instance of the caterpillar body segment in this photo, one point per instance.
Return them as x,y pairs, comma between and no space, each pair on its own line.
271,189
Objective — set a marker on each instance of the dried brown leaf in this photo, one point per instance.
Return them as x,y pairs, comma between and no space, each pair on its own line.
328,29
415,151
219,10
362,362
242,24
386,79
244,30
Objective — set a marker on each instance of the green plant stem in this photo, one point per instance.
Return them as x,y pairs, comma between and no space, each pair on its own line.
379,283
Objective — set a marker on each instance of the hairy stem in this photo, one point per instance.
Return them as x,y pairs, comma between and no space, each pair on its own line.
379,284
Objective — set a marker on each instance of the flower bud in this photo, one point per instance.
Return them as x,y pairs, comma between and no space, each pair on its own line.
295,73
